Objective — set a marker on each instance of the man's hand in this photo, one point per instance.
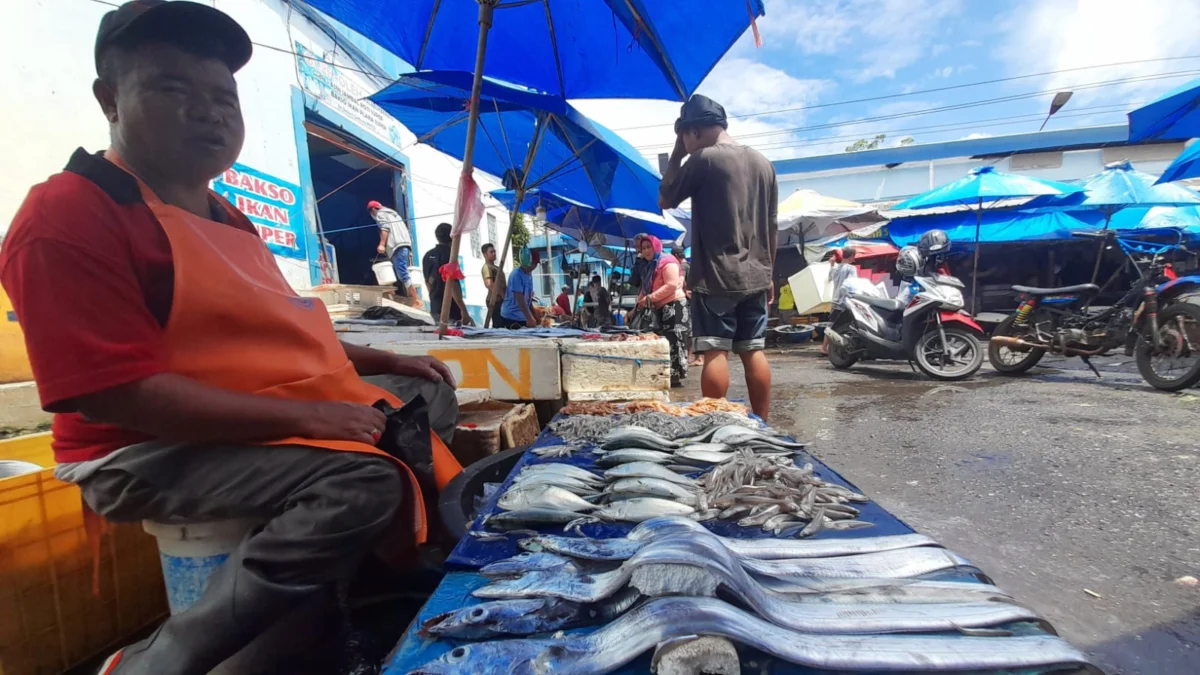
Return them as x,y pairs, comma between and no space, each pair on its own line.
381,249
340,421
680,150
425,367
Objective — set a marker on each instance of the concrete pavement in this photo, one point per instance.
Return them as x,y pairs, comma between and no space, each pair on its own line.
1052,483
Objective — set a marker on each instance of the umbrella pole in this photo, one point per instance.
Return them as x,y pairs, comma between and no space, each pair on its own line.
512,222
1100,253
975,264
486,7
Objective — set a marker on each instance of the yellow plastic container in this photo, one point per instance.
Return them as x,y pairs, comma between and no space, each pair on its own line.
50,618
14,361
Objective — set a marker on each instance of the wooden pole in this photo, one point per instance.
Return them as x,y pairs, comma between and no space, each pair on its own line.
512,222
1100,253
486,8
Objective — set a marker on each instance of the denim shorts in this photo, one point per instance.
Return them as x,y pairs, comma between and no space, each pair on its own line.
723,323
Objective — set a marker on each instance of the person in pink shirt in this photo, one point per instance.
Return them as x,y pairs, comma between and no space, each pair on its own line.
662,295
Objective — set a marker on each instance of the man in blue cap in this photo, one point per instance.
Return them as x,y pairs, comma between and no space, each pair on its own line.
735,203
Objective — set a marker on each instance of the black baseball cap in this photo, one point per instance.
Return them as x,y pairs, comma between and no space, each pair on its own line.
177,21
701,111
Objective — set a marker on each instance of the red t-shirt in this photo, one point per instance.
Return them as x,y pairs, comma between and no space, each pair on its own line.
90,275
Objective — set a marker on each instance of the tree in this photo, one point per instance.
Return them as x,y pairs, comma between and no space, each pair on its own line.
519,234
873,143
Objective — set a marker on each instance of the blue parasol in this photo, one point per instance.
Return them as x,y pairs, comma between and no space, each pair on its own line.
983,184
1186,165
1173,116
1117,187
530,140
568,48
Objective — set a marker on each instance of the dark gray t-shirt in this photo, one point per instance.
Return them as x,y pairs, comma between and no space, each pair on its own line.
735,203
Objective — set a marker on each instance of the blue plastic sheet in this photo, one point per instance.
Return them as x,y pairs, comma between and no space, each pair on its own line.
1173,116
583,223
574,156
569,48
455,592
471,553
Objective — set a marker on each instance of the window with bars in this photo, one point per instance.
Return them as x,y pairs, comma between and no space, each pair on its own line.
475,244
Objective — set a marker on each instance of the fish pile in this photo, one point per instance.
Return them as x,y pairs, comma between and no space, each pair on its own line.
806,602
645,475
702,407
593,428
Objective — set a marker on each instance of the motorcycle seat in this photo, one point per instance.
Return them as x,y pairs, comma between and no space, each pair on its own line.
1062,290
886,304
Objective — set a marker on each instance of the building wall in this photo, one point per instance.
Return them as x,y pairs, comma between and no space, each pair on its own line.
879,183
49,111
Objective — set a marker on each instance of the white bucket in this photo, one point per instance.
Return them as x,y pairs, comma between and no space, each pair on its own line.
191,553
385,274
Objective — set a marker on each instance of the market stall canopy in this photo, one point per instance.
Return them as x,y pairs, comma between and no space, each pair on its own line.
528,139
995,227
567,48
1116,187
1186,165
816,215
1173,116
594,226
985,184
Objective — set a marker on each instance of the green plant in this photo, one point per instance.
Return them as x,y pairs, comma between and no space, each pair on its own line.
518,233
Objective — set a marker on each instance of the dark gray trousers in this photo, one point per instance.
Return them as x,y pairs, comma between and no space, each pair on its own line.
323,511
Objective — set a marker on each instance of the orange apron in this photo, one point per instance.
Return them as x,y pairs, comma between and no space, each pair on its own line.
236,323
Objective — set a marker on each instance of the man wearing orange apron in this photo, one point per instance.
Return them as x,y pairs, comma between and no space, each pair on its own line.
189,382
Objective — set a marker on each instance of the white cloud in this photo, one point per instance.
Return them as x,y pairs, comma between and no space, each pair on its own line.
879,37
1063,35
739,84
975,135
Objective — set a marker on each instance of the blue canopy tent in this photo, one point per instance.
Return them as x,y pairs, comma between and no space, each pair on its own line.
983,184
1173,116
994,227
1115,188
568,48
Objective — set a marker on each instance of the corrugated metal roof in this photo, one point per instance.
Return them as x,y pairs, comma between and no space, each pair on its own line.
1040,141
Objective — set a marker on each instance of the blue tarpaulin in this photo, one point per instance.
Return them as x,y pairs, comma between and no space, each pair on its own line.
571,155
999,226
569,48
1173,116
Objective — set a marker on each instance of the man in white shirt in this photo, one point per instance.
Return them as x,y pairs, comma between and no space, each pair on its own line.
841,270
395,242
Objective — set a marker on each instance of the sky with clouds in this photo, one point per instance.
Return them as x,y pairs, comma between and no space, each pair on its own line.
820,56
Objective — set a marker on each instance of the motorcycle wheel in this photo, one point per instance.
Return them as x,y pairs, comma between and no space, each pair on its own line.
840,357
1174,367
1003,359
966,360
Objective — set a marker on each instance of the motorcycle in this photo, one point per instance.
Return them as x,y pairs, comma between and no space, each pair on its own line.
1154,321
926,324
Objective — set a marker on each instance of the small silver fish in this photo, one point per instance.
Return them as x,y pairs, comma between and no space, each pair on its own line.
633,511
652,487
542,497
627,455
637,437
525,518
647,470
527,562
561,469
567,483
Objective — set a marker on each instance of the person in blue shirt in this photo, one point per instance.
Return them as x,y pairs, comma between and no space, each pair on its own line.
517,310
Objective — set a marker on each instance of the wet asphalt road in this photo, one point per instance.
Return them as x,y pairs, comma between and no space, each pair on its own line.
1052,484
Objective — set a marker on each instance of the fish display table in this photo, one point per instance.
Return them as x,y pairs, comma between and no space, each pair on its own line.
475,551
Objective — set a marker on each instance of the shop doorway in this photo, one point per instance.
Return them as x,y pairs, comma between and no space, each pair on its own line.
345,176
